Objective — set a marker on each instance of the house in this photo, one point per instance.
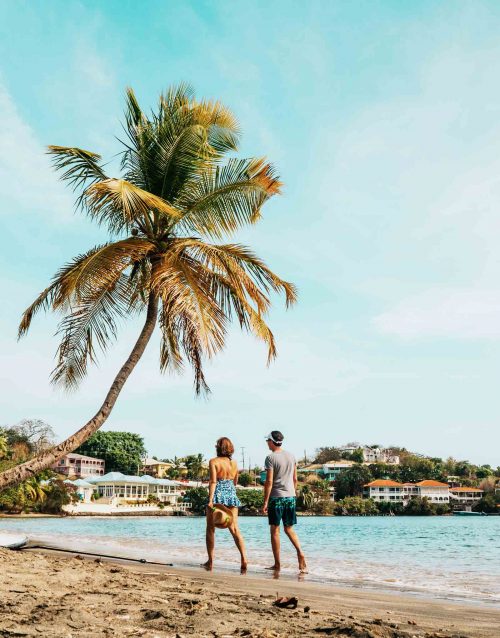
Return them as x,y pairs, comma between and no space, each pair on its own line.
434,491
464,498
84,490
371,454
79,466
331,470
384,490
155,468
117,487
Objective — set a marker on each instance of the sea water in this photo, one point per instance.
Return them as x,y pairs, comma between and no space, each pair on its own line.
443,556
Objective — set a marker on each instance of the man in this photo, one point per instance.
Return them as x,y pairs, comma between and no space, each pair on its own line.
279,497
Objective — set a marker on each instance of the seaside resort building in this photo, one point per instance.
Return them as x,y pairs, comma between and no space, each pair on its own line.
465,497
388,490
79,466
384,490
115,487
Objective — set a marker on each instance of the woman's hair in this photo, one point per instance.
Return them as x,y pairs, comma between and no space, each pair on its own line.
224,447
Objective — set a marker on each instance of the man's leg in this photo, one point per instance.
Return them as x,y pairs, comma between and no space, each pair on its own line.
275,544
210,540
290,532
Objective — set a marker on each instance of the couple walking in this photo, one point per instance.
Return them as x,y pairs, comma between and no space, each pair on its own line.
279,499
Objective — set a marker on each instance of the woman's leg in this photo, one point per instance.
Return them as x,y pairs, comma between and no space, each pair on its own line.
238,538
210,540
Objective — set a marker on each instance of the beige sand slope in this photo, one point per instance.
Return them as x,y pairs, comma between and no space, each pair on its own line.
49,594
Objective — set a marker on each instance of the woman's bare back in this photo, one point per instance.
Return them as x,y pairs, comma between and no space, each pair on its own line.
225,469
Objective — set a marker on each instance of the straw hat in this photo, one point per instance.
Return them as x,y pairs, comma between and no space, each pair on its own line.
222,516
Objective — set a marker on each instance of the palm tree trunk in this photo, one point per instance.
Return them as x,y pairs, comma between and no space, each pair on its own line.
47,458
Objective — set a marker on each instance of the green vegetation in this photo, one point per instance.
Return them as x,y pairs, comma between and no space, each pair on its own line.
252,501
355,506
198,497
121,451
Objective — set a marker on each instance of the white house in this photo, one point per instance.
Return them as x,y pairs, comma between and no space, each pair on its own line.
465,497
434,491
84,489
117,486
384,490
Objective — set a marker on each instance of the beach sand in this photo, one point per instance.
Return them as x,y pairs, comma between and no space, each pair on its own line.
54,594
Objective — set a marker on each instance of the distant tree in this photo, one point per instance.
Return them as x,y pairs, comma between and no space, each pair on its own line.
326,454
350,481
488,484
4,447
198,497
305,498
173,472
484,471
357,456
245,479
488,504
384,470
355,506
122,451
388,507
252,501
194,465
39,435
415,468
420,507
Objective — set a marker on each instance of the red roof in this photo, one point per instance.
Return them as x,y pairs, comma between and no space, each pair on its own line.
429,483
383,483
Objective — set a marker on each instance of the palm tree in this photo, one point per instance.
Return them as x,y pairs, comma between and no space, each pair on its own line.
174,197
4,447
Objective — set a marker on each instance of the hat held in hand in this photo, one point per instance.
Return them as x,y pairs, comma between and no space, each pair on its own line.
222,516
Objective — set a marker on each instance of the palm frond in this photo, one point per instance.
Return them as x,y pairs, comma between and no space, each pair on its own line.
241,266
227,197
80,167
84,273
120,204
91,324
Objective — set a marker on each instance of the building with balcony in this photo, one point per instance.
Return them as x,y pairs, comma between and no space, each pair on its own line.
464,498
434,491
155,468
79,466
384,490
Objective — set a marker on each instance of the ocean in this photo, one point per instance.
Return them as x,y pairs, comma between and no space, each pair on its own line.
442,556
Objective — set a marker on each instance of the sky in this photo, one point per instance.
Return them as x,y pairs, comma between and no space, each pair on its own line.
383,121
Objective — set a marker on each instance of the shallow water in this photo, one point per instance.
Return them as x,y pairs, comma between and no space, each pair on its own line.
450,557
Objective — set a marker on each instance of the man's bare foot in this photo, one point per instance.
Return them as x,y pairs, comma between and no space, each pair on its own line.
275,568
302,564
208,565
243,567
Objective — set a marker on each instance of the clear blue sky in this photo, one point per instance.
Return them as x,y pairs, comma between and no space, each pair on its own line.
383,119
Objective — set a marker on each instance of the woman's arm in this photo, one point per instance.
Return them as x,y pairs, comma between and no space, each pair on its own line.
212,482
236,475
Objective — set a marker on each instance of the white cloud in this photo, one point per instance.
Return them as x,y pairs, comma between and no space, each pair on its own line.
27,181
444,313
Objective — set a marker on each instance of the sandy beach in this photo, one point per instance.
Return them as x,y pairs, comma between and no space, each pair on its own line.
54,594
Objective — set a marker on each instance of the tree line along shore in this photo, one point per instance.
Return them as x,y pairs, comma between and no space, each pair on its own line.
317,494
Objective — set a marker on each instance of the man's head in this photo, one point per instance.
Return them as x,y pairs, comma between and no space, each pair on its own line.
274,440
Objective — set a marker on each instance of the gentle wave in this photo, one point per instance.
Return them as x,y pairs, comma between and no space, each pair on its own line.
440,556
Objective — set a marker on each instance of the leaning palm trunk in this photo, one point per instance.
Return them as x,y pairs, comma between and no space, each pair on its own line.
47,458
174,197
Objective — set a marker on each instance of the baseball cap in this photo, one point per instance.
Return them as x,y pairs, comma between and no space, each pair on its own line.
276,437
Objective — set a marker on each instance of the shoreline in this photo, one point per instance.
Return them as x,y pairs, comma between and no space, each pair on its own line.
66,595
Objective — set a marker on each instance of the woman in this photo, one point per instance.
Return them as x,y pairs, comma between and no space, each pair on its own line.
222,491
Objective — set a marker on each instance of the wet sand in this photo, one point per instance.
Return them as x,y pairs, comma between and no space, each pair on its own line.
62,595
